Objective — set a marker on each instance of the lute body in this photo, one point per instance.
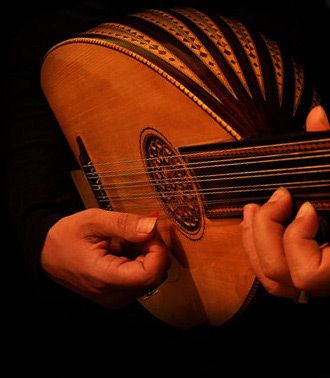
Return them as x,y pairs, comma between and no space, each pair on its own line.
149,120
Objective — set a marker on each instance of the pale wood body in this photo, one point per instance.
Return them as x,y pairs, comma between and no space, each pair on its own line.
108,99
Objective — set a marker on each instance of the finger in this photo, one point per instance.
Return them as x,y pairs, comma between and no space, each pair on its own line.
268,230
248,238
309,264
156,255
105,224
273,287
131,249
147,270
317,120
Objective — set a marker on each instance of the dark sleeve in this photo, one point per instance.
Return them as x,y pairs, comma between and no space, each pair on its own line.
39,190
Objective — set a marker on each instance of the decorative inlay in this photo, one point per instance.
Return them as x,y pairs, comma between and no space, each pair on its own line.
316,100
136,37
276,56
249,47
181,32
216,61
299,79
215,34
172,182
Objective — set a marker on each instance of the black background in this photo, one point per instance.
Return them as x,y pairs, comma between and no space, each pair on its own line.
50,330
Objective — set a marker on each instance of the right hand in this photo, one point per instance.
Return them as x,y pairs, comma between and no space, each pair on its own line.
79,254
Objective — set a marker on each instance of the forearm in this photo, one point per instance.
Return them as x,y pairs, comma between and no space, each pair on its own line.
38,188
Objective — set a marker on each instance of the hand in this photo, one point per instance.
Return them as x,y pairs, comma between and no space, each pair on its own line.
79,252
285,257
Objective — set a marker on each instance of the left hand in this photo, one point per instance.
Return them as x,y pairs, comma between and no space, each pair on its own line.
285,257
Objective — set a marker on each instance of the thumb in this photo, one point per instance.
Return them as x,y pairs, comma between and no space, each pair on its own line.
317,120
130,227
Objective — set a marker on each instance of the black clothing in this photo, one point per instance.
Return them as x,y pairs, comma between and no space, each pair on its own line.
38,191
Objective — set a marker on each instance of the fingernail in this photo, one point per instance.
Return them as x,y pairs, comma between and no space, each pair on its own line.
278,194
322,117
146,225
305,208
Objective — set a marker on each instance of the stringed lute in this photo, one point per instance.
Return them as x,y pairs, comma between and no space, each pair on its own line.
192,115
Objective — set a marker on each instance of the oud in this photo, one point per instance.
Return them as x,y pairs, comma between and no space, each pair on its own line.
191,115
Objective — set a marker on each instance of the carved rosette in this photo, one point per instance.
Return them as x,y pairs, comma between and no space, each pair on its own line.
172,182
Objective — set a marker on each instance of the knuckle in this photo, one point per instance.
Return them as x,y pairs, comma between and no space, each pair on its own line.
52,232
274,273
263,212
57,228
268,213
122,223
290,235
280,290
303,280
84,220
272,289
245,227
261,217
249,212
89,214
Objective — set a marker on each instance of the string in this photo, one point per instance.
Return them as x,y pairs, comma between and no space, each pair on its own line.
219,177
189,196
236,150
227,190
238,202
174,168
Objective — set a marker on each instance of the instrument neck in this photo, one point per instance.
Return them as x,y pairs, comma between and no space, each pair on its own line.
229,175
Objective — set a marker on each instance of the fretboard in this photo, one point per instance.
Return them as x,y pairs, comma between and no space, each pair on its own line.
230,175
